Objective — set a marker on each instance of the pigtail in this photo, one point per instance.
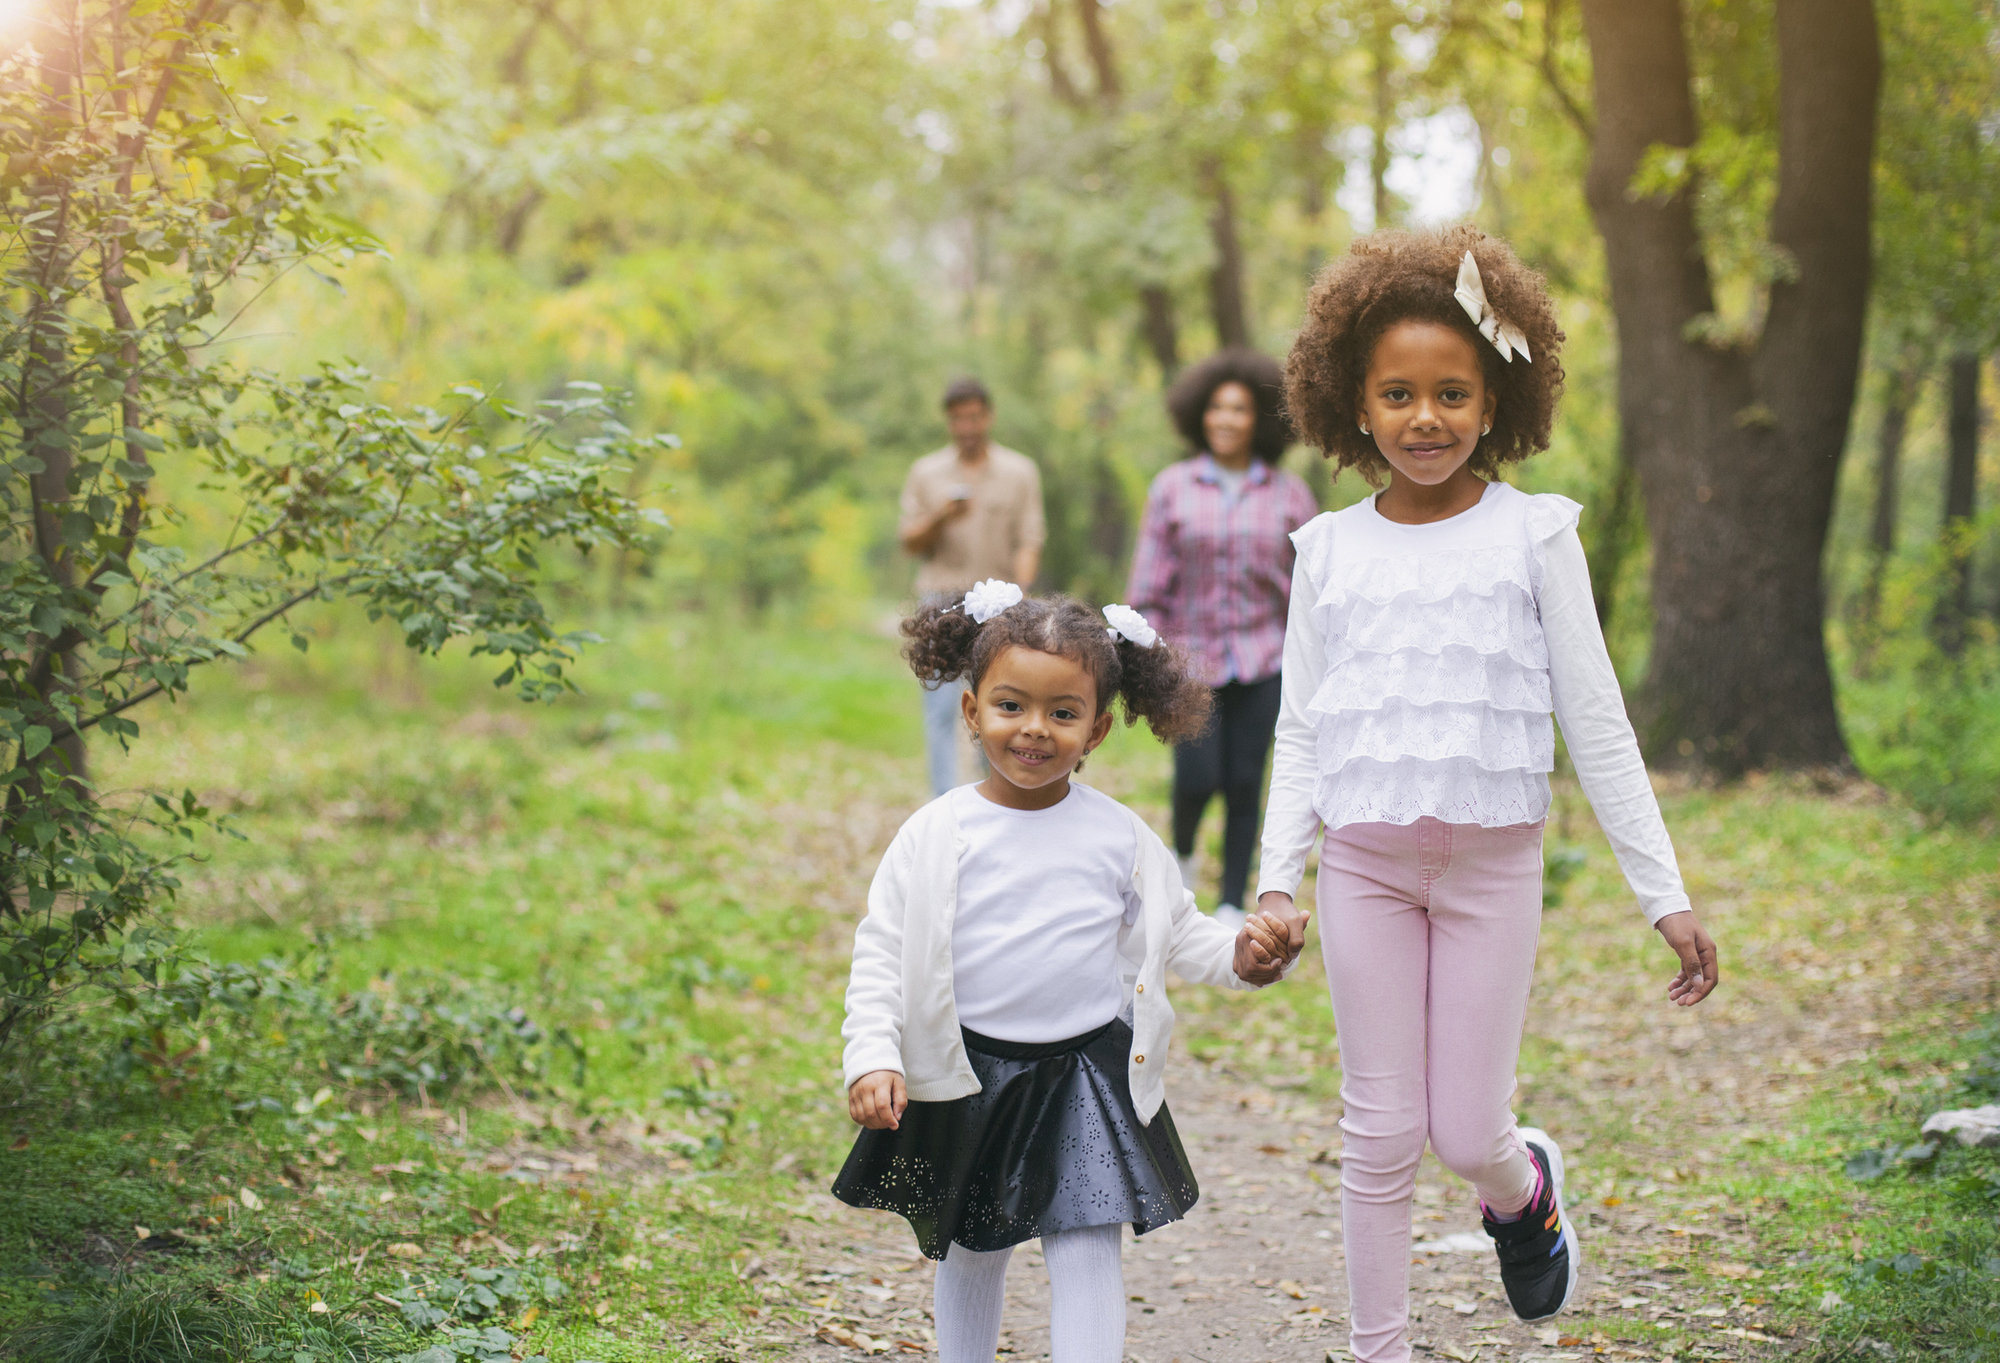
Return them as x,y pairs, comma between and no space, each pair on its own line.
1159,685
941,636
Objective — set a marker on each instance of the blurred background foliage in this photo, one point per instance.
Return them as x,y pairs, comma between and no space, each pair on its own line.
781,226
785,225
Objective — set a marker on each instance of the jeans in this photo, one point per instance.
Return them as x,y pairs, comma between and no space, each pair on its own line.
944,732
1228,758
1429,932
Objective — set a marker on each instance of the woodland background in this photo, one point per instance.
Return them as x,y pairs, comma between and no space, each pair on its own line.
476,1030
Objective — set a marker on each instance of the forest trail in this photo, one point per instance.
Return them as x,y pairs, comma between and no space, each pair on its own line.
1255,1271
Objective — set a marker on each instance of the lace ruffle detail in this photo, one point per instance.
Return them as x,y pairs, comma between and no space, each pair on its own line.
1500,620
1450,676
1456,792
1435,697
1399,731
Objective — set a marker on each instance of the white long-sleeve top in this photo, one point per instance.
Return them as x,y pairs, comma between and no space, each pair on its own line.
1422,666
902,1007
1042,897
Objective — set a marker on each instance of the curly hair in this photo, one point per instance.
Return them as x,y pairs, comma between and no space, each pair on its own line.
1156,684
1391,277
1187,400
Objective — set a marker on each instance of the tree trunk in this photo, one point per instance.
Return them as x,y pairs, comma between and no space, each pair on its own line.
1737,450
1162,332
1097,42
1225,281
45,420
1954,604
1900,387
1383,53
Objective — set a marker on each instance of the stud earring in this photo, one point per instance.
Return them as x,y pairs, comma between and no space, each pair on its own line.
1487,429
1365,430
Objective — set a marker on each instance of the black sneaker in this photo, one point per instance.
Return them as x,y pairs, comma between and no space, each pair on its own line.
1538,1252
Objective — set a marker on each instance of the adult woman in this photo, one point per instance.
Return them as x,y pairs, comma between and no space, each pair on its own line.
1214,572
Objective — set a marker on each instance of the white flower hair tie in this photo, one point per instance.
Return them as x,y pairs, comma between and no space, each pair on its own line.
1471,295
989,598
1127,623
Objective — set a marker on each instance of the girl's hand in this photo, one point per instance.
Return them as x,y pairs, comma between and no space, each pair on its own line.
877,1100
1259,958
1691,942
1280,909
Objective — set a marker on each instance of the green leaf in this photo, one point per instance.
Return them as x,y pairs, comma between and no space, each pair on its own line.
34,740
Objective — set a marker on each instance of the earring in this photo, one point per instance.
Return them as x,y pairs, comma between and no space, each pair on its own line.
1365,430
1487,429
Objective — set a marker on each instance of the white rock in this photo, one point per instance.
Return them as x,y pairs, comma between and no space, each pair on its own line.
1971,1125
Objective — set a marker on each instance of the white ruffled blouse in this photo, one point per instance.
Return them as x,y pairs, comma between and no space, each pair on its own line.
1422,666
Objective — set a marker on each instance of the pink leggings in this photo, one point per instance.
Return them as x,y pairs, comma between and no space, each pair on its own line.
1429,934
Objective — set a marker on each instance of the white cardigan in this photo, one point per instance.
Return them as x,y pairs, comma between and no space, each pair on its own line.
901,1014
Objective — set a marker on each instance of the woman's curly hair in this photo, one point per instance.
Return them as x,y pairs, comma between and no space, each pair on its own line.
1187,400
1157,684
1391,277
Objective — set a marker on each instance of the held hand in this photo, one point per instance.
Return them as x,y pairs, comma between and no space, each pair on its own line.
1691,942
1258,955
1280,909
877,1100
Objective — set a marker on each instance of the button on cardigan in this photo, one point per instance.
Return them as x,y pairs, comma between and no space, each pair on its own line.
901,1014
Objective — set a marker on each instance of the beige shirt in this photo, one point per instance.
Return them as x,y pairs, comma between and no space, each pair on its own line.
1005,516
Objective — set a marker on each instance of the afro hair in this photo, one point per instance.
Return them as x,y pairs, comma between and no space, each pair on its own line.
1187,400
1391,277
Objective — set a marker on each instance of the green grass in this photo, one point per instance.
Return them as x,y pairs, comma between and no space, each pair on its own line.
661,875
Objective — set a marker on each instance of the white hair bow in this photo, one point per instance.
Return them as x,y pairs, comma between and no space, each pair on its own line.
1471,294
1130,624
989,598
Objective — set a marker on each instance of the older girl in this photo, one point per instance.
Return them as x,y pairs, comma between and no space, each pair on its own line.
1434,627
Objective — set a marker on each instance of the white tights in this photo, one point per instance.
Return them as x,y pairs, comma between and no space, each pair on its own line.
1086,1298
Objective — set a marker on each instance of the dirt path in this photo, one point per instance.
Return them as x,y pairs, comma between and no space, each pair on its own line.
1255,1271
1648,1100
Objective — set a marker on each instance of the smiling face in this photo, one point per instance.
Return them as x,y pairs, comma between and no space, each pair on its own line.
1425,401
1229,422
1036,716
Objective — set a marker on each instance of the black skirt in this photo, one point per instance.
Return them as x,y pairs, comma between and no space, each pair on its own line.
1051,1142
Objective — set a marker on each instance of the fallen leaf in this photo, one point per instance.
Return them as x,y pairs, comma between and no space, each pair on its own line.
20,1143
401,1166
1568,1341
1272,1150
528,1318
1452,1351
403,1249
1296,1291
250,1200
1733,1270
141,1233
318,1308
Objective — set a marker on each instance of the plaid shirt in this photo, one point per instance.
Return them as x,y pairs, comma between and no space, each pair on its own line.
1216,575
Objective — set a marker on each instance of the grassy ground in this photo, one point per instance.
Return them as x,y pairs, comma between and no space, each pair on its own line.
376,1156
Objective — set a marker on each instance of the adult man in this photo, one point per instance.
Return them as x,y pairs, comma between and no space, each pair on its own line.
971,511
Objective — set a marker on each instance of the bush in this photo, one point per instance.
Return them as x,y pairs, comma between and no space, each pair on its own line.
139,1323
236,1031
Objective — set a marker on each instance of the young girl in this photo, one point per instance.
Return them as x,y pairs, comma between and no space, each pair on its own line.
1432,630
1007,1017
